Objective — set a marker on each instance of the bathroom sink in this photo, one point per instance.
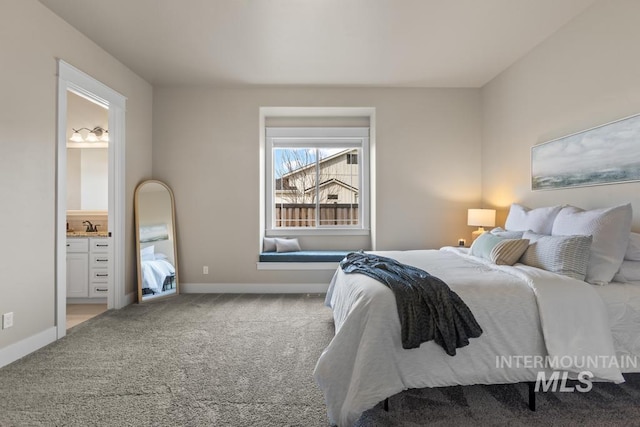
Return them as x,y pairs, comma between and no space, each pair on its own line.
87,234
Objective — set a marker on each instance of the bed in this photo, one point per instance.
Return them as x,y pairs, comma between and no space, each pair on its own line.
158,274
533,320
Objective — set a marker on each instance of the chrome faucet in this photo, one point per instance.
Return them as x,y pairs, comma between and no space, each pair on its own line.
90,227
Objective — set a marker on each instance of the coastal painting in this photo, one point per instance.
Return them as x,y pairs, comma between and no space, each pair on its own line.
605,154
154,233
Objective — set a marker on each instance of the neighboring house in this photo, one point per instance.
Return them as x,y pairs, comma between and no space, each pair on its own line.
332,188
336,181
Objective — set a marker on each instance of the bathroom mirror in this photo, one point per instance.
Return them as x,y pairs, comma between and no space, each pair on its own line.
155,241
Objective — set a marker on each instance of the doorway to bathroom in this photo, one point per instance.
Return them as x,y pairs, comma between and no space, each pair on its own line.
87,139
89,197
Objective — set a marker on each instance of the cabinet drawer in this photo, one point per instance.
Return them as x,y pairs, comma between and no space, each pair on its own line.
77,245
99,275
99,245
98,290
99,260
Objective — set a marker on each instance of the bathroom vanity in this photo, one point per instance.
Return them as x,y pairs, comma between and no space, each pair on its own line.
88,261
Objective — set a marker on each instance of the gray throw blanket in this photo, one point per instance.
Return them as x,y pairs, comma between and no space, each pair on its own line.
427,307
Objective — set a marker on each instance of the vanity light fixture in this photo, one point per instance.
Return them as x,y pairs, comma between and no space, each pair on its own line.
96,134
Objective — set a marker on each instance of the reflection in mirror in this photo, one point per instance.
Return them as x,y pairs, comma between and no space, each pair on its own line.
155,241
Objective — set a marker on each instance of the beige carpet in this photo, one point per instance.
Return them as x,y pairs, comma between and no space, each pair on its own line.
232,360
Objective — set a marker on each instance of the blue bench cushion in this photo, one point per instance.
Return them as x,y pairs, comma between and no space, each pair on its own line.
304,256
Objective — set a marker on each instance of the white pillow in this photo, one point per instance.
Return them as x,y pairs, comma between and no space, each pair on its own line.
633,249
539,220
269,244
501,232
147,254
610,228
566,255
287,245
629,272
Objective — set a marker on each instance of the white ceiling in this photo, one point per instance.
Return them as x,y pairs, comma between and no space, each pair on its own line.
394,43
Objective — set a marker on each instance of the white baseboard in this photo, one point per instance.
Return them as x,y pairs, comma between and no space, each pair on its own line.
253,288
28,345
130,298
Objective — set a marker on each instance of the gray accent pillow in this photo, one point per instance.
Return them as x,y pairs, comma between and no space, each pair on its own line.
269,244
566,255
498,250
287,245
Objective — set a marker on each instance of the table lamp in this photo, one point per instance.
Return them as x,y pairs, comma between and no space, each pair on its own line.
480,218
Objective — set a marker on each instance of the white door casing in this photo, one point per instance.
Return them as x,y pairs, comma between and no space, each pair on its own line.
76,81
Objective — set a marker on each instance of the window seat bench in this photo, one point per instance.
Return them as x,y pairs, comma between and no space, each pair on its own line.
303,256
301,260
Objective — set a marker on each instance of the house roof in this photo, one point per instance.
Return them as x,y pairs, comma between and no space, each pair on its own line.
325,159
333,181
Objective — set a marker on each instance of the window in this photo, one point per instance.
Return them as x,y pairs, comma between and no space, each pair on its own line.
314,181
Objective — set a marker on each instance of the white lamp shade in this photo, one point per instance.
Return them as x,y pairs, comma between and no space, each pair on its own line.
481,217
105,136
76,137
92,137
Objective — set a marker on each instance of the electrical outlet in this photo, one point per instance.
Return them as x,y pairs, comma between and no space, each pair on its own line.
205,270
7,320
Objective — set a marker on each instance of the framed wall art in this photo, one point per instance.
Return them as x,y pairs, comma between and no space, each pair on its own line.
605,154
154,233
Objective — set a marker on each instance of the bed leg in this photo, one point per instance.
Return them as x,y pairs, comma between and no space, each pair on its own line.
385,404
532,396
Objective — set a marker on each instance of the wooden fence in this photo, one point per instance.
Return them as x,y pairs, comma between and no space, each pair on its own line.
304,215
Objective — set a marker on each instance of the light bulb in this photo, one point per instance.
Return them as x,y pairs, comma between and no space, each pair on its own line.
76,137
92,137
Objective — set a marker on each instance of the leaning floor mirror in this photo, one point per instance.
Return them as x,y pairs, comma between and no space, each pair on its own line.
155,241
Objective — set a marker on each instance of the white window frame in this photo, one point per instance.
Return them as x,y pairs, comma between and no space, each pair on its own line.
322,137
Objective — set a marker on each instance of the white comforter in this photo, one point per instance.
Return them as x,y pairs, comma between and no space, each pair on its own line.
154,272
523,311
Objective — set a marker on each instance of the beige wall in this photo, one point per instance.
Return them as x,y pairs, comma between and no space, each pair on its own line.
31,39
585,75
206,147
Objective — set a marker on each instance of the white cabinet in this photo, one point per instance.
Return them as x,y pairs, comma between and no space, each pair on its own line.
77,275
77,268
88,267
99,257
